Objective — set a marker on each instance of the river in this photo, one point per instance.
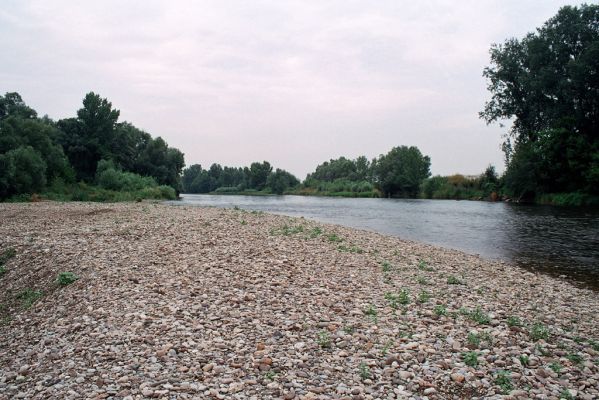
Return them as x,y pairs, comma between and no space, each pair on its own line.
555,240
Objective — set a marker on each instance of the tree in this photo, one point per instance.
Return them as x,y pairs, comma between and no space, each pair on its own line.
259,173
401,171
548,84
281,180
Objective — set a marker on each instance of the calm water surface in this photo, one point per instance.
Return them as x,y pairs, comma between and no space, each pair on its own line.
556,240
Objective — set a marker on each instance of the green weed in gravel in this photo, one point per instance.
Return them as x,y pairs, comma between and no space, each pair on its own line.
471,358
539,331
324,339
364,371
440,310
66,278
504,381
7,255
29,296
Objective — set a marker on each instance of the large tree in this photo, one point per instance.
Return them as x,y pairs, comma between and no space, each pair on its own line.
401,171
547,83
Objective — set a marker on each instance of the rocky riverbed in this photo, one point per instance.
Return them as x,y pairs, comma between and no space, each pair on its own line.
193,303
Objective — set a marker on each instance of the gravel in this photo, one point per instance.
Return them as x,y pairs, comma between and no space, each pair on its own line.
194,303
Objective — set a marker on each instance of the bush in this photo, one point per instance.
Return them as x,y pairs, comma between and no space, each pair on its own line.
111,178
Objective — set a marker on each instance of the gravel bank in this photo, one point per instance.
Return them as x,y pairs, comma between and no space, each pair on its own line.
176,302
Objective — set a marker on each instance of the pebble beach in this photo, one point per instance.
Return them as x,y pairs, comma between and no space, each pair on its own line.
207,303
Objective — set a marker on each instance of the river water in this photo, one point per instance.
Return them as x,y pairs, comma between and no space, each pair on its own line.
555,240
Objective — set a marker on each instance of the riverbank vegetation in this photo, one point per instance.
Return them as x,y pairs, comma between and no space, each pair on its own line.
547,83
90,157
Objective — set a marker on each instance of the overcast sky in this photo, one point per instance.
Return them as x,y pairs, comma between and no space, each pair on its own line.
292,82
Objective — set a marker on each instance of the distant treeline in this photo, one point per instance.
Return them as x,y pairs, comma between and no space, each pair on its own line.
399,173
91,156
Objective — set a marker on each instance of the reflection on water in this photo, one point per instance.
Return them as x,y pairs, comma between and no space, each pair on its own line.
551,239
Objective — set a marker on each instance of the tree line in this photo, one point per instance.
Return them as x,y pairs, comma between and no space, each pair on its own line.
82,154
399,173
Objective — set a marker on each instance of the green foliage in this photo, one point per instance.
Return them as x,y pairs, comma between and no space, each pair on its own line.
259,178
461,187
424,297
513,321
566,395
7,255
452,280
29,296
479,316
404,297
470,358
66,278
575,358
440,310
546,83
315,232
35,152
110,177
324,339
504,381
364,371
2,270
556,367
524,359
333,238
386,266
371,312
539,331
401,171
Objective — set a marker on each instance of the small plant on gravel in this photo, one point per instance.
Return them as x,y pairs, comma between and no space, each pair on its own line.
270,375
315,232
556,367
244,222
539,331
404,297
423,266
371,312
7,255
392,299
504,381
66,278
333,238
386,266
565,394
440,310
349,329
424,297
2,270
513,321
523,359
474,339
364,371
324,340
471,359
29,296
452,280
422,280
386,348
542,351
594,344
479,316
574,358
